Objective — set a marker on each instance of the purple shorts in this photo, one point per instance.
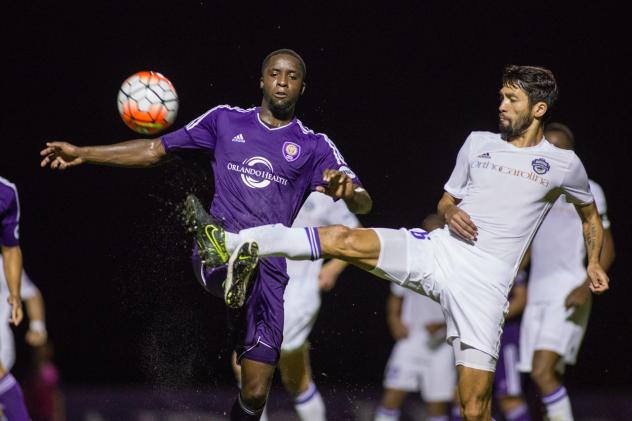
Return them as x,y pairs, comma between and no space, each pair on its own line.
257,327
507,381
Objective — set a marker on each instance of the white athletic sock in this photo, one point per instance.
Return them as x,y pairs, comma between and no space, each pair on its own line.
558,405
264,414
309,405
385,414
279,240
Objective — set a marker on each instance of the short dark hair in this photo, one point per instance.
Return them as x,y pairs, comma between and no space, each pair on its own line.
562,128
288,52
538,82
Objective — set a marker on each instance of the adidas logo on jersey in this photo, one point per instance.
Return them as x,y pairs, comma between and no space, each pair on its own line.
485,155
239,138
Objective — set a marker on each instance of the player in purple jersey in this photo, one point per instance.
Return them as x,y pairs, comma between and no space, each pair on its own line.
264,161
11,399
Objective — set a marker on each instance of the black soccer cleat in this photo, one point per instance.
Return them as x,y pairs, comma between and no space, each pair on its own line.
241,268
208,233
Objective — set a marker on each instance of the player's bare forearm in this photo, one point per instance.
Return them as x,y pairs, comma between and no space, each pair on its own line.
133,153
593,232
518,301
12,261
607,250
360,201
446,203
35,308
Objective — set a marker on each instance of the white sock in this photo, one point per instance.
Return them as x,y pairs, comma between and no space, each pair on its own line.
386,414
558,405
279,240
309,405
264,414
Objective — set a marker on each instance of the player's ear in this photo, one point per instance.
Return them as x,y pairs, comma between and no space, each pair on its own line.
539,109
261,82
303,88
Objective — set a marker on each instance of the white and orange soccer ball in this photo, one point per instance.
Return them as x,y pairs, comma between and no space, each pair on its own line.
147,102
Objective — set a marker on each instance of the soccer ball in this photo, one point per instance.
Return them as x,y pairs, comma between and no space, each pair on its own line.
147,102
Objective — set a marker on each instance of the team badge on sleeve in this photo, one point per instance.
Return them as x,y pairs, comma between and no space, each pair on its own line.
540,166
291,151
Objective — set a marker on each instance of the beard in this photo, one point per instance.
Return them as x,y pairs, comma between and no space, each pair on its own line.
281,109
514,130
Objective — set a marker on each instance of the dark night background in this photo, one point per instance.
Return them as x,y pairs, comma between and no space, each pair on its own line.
397,87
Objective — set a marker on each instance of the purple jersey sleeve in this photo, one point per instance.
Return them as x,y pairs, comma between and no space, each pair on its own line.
10,215
328,157
201,133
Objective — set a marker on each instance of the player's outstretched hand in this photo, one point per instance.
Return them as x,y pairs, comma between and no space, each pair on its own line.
60,155
460,223
598,278
339,185
16,309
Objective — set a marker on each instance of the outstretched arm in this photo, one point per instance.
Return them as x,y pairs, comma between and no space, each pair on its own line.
12,261
593,237
133,153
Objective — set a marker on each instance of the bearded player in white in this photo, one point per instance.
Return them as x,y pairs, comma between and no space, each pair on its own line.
301,305
501,189
558,307
36,334
421,360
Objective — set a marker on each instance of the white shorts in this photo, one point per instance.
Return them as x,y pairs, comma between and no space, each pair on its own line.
297,325
7,346
470,285
416,364
552,327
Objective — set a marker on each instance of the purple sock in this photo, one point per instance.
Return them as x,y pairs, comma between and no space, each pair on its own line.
11,399
456,413
240,412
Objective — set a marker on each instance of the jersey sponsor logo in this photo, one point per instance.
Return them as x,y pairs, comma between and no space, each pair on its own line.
419,234
503,169
540,166
257,172
347,170
291,151
239,138
485,155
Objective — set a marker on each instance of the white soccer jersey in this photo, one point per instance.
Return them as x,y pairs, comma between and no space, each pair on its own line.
558,251
417,310
507,191
302,295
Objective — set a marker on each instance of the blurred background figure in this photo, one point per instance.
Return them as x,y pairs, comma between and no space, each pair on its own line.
421,360
559,300
42,392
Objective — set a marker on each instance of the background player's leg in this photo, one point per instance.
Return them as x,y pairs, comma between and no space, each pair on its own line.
256,379
554,396
438,411
296,375
475,393
391,405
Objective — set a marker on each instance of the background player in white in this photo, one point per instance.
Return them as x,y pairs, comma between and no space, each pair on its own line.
302,303
36,334
421,360
559,302
11,399
500,190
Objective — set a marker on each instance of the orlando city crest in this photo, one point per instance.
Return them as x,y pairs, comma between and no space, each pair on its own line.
291,151
540,166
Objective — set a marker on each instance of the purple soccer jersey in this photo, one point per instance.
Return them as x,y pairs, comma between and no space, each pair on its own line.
9,214
261,175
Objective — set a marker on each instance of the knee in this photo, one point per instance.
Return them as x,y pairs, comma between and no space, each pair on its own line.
543,375
341,239
254,395
475,408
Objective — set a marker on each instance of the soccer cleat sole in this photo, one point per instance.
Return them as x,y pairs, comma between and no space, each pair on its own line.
241,267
